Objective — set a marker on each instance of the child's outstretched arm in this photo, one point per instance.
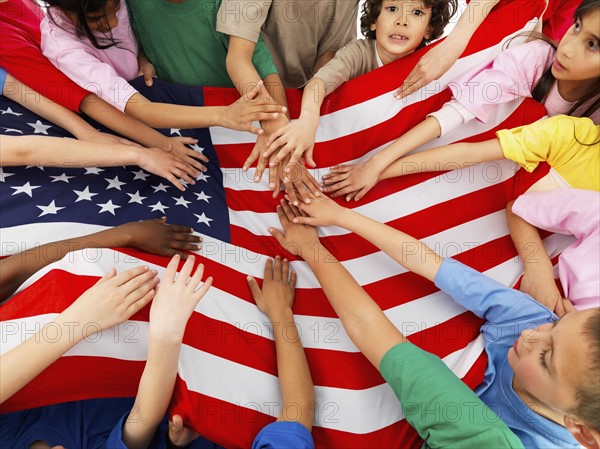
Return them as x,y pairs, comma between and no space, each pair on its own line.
111,301
175,300
538,276
355,181
448,157
404,249
48,151
153,236
367,326
276,299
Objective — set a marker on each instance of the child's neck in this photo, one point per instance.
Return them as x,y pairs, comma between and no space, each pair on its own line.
572,90
538,407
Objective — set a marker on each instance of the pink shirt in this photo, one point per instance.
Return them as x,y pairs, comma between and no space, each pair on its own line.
572,212
512,74
104,72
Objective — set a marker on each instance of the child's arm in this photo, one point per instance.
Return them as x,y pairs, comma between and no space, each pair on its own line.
111,301
176,298
298,137
366,325
356,180
448,157
60,152
404,249
276,300
538,276
439,59
153,236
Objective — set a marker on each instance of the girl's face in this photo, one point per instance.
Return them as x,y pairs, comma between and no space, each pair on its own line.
105,19
550,360
578,54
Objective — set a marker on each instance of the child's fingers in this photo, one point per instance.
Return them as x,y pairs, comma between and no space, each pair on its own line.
185,234
287,210
268,274
137,283
342,188
285,271
127,276
290,191
361,193
176,423
205,287
293,279
306,221
249,127
309,157
185,140
276,135
111,274
250,160
196,278
568,305
254,288
186,270
171,270
277,269
197,155
260,169
278,234
140,303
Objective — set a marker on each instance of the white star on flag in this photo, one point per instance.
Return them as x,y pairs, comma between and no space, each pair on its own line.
63,178
93,171
202,196
176,131
4,175
25,188
181,201
136,197
203,219
50,209
160,188
84,195
197,148
108,207
39,127
114,183
202,177
158,206
10,111
140,174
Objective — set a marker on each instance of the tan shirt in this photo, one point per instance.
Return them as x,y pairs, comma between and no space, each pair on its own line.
355,59
296,32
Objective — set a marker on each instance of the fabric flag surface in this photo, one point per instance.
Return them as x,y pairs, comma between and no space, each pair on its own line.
227,386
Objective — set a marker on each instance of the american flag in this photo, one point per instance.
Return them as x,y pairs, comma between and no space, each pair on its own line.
227,387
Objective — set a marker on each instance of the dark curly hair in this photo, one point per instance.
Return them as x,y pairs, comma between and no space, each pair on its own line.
441,12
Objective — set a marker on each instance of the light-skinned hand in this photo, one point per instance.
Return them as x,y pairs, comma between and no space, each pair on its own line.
540,285
354,181
251,108
157,237
114,298
176,298
300,240
180,435
300,185
177,147
277,293
165,164
296,139
321,211
432,65
149,73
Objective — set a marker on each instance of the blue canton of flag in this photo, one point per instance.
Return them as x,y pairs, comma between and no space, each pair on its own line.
111,196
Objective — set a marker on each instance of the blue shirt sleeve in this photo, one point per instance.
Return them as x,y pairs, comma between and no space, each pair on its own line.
115,439
2,79
487,298
283,435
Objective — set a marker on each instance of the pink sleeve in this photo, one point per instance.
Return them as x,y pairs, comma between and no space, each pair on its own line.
75,60
512,74
566,211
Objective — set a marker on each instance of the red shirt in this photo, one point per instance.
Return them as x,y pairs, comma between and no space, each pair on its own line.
21,56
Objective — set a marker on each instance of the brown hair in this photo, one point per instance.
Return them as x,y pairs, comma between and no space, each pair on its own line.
441,12
545,83
588,391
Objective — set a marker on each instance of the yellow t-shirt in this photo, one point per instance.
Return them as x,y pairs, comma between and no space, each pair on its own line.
570,145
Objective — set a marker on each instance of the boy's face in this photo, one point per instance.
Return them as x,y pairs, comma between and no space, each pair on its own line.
550,360
400,28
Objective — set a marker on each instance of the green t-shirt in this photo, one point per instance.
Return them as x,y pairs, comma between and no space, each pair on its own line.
441,408
182,42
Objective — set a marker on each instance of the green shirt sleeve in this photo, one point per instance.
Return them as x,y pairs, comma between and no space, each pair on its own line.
262,61
441,408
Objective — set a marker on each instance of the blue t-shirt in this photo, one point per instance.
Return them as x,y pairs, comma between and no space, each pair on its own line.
507,313
284,435
90,424
2,79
